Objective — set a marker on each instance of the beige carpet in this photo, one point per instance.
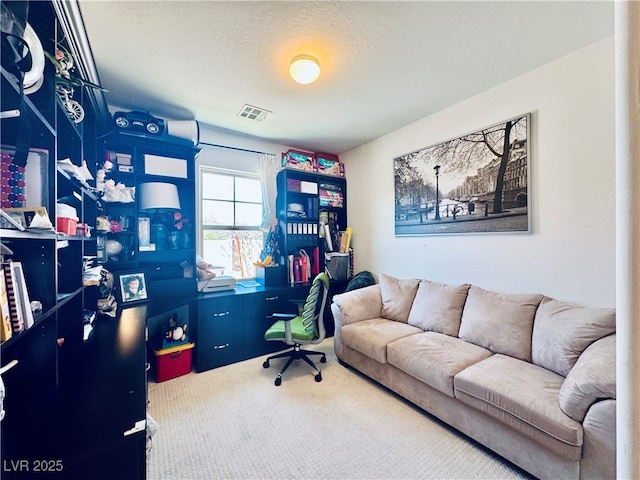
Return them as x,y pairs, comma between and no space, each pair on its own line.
233,423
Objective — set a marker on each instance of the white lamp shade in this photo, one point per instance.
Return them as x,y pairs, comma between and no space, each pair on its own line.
158,196
304,69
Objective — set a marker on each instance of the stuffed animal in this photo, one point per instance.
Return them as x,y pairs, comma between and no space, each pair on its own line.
204,271
175,333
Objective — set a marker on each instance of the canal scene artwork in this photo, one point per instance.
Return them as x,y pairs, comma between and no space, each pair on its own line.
475,183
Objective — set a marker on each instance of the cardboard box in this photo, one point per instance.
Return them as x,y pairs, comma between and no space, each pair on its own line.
67,225
299,160
326,156
173,362
331,167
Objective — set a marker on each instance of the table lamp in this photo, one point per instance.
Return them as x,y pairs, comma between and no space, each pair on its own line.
156,198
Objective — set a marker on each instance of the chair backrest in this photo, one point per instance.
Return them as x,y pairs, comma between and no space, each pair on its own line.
313,310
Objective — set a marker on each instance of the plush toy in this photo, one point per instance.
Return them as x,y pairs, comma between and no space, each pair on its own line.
204,271
175,334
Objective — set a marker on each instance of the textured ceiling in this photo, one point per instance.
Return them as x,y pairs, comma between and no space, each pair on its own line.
384,64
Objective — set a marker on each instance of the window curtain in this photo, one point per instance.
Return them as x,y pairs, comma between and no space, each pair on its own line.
268,172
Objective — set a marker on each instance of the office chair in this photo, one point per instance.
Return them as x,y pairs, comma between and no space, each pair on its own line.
307,327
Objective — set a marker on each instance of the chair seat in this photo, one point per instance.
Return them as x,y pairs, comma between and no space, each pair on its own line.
298,332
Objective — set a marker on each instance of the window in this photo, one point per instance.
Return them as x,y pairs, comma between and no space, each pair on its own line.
231,213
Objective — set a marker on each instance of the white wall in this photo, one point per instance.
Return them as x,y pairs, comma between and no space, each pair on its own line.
230,158
571,253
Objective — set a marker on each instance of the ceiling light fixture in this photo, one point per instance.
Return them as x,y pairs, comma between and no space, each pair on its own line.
304,69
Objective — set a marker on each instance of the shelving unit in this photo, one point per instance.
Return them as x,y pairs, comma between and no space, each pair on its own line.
305,203
47,352
63,404
170,267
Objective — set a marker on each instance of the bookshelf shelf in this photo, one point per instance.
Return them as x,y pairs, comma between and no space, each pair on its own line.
309,207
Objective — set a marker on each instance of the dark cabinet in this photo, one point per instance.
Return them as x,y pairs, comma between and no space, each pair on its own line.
105,408
219,332
28,429
311,210
152,230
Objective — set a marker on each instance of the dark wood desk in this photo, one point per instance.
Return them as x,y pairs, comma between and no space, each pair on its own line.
230,325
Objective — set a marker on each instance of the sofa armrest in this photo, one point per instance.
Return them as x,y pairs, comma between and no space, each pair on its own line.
357,305
592,378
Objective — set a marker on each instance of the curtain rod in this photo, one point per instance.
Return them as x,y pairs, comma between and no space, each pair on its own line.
234,148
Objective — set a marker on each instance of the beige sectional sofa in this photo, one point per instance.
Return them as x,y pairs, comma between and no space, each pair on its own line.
530,377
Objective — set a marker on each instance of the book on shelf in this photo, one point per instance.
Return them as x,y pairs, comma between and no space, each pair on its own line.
23,293
345,240
302,266
5,327
15,309
327,237
20,312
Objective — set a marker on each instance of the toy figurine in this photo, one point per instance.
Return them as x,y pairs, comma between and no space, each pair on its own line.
175,334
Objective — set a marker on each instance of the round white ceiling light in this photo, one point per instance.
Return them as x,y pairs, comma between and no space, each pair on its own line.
304,69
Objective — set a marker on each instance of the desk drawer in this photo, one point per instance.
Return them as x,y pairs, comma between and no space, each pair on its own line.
219,329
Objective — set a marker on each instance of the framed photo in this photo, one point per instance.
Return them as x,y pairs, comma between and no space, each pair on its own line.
475,183
132,287
12,220
24,217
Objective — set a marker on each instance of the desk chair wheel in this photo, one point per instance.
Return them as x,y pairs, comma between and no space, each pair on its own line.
265,364
318,377
323,359
278,381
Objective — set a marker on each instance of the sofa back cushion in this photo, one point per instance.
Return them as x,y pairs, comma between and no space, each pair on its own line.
397,297
438,307
502,323
562,331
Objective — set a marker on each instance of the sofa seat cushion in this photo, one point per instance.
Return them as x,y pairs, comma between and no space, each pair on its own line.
371,337
524,397
434,358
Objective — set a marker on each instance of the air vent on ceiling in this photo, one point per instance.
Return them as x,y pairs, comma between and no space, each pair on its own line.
253,113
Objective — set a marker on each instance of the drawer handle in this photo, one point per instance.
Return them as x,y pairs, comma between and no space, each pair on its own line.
221,314
269,299
139,426
218,347
8,366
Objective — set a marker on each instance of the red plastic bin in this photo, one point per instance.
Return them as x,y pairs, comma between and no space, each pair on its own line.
173,362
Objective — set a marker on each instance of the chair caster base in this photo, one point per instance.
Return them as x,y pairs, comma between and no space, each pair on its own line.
265,364
318,378
278,381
